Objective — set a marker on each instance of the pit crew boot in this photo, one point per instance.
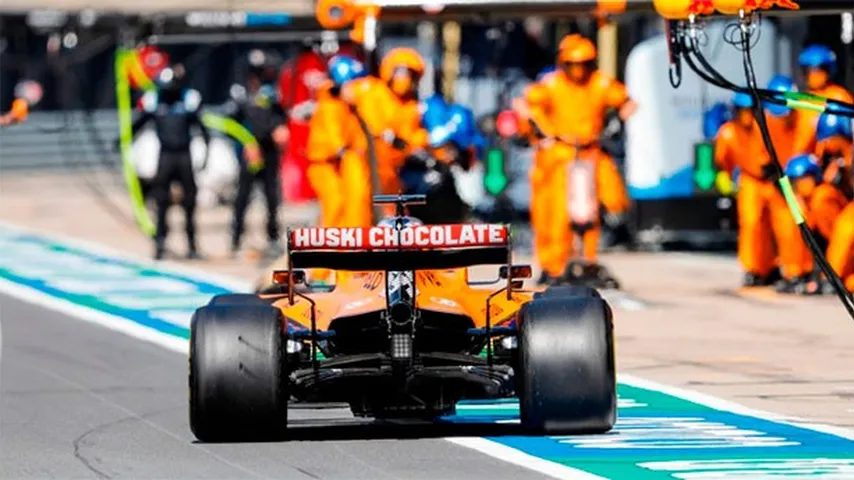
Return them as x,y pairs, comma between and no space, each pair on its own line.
235,247
159,249
192,247
193,253
754,280
591,275
274,250
548,280
804,285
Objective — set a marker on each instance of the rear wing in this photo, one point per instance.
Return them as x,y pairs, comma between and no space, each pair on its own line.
422,247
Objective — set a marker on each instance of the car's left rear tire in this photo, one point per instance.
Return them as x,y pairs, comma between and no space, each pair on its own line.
566,376
242,299
238,378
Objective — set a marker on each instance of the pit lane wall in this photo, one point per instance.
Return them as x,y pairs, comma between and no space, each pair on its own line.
661,433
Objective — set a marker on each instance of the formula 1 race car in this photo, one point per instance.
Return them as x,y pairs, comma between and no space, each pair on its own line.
403,333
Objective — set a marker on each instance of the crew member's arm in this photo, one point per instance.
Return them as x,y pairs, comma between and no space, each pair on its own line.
409,129
538,100
193,103
149,106
17,114
327,139
234,109
726,148
616,96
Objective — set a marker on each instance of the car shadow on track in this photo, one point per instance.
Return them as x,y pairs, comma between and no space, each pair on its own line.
358,429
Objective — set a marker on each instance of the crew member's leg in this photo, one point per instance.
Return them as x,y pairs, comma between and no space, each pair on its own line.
840,249
160,185
610,186
356,183
270,176
752,231
538,210
326,182
245,182
187,178
555,218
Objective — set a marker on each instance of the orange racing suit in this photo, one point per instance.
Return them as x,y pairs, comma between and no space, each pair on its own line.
805,141
840,250
759,201
339,171
383,112
573,114
821,208
534,94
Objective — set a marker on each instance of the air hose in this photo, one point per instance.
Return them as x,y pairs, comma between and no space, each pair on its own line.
123,105
795,100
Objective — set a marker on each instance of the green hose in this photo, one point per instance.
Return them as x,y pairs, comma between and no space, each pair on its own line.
791,200
123,105
233,129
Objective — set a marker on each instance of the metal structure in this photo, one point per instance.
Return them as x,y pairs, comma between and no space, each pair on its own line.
295,8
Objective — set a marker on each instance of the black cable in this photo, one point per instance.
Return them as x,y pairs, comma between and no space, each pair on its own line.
759,114
712,76
758,95
719,80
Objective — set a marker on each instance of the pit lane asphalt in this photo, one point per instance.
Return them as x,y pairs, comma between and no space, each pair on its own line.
81,401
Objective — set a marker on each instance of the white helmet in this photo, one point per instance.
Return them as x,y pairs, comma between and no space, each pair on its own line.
407,222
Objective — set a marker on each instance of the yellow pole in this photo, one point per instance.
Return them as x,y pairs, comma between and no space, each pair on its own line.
451,38
608,47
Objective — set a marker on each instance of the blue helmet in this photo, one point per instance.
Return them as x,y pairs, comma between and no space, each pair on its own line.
800,166
546,71
742,100
466,134
833,125
434,115
818,56
342,69
780,83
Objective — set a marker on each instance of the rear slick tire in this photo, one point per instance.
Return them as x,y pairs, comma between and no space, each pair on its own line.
238,379
567,292
237,299
567,367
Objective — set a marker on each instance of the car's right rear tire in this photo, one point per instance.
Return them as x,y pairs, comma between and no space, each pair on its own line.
567,374
238,378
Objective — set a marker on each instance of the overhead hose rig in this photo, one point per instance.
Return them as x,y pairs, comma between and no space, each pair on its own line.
684,36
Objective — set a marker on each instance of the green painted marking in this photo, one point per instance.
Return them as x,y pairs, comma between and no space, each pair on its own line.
705,173
495,178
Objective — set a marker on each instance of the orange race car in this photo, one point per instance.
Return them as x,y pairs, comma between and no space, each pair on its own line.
403,333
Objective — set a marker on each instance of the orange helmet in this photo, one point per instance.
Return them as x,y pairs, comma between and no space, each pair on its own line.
401,57
576,49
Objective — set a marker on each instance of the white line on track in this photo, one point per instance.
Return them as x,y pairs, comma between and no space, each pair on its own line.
732,407
522,459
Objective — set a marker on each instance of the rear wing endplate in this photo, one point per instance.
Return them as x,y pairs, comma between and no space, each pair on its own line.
422,247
